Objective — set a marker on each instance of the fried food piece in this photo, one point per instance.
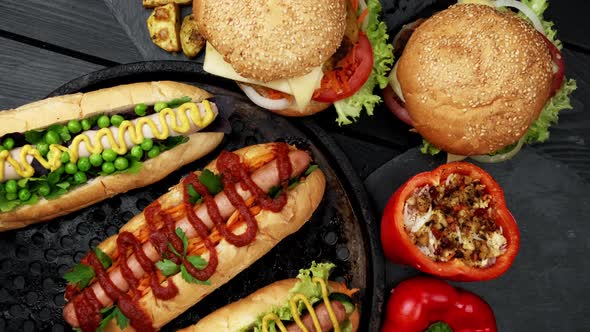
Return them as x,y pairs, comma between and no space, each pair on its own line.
191,40
164,27
158,3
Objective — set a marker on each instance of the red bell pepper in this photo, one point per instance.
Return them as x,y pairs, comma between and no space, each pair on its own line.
417,303
399,248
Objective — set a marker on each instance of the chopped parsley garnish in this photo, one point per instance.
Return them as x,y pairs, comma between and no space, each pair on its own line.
168,267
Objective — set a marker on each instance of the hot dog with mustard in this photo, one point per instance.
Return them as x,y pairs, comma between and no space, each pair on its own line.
308,303
195,238
64,153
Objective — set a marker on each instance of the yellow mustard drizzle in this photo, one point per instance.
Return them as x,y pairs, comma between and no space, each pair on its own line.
297,317
53,161
276,319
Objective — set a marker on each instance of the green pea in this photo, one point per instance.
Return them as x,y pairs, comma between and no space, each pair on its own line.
51,137
65,157
140,109
11,196
84,164
60,170
95,159
116,120
108,167
2,148
8,143
137,152
74,126
86,125
24,194
154,152
43,148
147,144
44,189
109,155
10,186
160,106
71,168
121,163
104,121
80,177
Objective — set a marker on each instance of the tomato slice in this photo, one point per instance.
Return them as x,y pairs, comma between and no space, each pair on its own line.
349,75
559,74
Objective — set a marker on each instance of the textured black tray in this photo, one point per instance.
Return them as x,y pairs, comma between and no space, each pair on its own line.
342,230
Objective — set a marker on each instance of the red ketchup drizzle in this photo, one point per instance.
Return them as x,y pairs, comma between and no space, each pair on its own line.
230,166
127,240
139,320
88,307
201,229
161,238
88,316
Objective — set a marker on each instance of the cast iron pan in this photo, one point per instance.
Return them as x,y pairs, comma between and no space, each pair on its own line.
342,230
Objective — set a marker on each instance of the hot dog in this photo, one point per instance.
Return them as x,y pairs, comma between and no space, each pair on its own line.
291,305
224,216
64,153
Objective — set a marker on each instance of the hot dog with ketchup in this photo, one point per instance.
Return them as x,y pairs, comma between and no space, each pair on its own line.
309,303
195,238
64,153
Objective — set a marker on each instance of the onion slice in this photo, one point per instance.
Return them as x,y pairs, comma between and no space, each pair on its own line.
362,7
270,104
526,10
499,157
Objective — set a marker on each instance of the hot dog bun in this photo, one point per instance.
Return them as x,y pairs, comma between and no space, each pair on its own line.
244,312
56,110
302,201
60,109
103,187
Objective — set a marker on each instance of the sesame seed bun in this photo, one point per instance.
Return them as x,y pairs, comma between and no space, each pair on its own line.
272,39
474,78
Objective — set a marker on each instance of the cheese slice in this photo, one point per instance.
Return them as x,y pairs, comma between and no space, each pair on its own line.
301,88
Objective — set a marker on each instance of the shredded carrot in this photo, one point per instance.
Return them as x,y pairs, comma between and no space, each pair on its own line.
362,16
174,209
355,5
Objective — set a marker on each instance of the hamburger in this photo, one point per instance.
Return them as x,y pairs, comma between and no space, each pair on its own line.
298,57
480,79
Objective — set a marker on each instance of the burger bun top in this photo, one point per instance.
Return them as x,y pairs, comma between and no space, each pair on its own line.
474,78
269,40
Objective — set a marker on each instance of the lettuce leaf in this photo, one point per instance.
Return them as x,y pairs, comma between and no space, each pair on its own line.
539,7
428,148
349,109
304,286
539,130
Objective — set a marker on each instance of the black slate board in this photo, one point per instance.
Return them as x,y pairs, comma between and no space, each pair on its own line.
342,230
547,287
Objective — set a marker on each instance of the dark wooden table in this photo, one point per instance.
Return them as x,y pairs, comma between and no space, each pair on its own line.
44,44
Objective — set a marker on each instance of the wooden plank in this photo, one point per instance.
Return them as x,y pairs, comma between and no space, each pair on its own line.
28,73
83,26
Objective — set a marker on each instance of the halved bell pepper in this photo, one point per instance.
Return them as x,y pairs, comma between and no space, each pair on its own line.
399,247
418,303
